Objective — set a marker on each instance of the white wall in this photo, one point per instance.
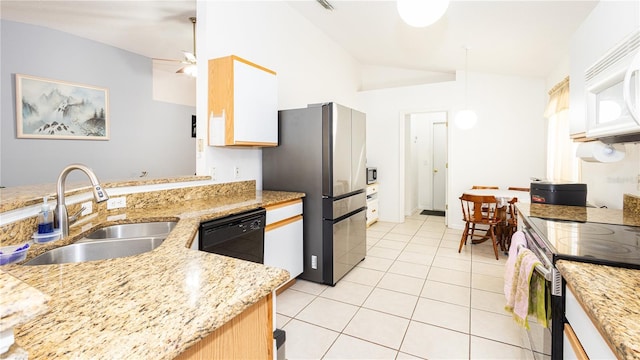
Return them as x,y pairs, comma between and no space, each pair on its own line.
145,134
506,147
310,68
411,188
173,88
386,110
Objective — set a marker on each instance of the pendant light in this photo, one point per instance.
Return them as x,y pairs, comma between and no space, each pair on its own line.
466,119
421,13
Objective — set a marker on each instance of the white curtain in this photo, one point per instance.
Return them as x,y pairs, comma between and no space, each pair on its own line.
561,161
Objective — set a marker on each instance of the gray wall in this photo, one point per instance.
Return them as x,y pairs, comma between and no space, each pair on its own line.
145,135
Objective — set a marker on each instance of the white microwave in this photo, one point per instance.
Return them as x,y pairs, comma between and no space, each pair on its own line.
613,92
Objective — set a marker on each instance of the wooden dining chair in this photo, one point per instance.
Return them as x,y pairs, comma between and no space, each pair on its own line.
479,210
484,187
518,188
511,223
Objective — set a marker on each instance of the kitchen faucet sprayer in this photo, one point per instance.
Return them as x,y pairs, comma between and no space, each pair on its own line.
61,216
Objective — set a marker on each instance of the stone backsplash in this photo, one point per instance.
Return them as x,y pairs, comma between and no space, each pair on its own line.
21,231
631,205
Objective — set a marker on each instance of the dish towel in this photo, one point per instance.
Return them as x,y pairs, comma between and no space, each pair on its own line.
518,299
517,240
540,299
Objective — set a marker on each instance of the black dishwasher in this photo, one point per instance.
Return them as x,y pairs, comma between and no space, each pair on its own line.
240,236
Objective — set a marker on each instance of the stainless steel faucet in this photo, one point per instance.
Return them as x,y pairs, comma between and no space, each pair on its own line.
61,216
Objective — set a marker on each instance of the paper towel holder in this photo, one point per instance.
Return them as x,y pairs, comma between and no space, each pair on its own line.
597,151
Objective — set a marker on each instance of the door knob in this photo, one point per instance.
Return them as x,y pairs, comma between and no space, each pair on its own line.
435,171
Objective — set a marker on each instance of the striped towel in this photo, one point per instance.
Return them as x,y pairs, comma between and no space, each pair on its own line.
518,239
518,298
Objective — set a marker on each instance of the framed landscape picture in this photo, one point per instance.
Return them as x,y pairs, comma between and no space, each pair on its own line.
54,109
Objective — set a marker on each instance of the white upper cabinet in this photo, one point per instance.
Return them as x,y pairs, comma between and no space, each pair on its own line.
243,103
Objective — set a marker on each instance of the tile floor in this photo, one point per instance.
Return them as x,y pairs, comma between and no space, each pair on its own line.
413,297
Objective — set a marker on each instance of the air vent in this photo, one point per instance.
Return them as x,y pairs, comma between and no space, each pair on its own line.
626,47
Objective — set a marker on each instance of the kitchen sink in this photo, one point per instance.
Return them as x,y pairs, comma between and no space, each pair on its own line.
128,231
109,242
97,250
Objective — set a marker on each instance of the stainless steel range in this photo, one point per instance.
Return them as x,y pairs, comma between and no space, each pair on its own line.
598,243
606,244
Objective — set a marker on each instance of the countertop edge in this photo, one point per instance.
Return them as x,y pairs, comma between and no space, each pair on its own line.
190,220
606,295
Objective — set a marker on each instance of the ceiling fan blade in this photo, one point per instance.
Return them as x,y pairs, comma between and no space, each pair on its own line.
191,58
168,60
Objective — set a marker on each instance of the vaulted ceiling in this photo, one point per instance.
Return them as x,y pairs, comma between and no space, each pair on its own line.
527,38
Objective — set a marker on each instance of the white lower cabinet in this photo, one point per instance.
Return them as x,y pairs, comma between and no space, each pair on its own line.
372,204
283,247
582,340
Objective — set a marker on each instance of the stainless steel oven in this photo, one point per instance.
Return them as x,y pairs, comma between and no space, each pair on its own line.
552,240
541,338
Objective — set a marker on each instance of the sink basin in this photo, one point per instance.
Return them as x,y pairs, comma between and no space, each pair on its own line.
109,242
96,250
128,231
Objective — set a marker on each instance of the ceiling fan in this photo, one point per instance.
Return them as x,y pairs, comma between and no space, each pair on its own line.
189,60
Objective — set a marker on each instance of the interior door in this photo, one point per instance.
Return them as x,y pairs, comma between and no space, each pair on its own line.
439,182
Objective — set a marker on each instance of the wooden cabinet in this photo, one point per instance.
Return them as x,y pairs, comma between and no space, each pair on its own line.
582,340
283,246
372,204
243,103
247,336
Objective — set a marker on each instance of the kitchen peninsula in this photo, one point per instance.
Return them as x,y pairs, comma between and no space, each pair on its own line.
157,304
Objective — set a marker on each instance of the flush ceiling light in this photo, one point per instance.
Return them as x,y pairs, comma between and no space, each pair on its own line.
466,119
421,13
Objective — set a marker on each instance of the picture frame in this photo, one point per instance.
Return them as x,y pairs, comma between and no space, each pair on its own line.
55,109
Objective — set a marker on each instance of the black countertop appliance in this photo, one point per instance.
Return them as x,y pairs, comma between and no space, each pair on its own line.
558,193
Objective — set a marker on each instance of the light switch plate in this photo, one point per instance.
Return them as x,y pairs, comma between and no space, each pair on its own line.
88,208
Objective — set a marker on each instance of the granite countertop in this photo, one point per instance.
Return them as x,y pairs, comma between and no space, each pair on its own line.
152,305
610,297
19,303
579,213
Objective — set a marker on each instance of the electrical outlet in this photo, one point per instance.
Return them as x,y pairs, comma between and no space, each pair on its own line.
314,262
236,172
116,203
638,182
88,208
212,173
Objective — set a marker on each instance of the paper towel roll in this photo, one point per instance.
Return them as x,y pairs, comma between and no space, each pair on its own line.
596,151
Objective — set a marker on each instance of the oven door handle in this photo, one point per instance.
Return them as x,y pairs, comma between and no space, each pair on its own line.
550,273
541,269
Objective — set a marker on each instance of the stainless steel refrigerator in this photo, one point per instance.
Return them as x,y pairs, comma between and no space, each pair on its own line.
321,152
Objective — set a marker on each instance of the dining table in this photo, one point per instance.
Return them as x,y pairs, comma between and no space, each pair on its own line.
503,197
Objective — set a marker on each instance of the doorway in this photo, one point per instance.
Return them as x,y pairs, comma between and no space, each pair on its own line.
426,162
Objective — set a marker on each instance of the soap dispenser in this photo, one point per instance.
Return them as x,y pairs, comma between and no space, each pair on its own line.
45,218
